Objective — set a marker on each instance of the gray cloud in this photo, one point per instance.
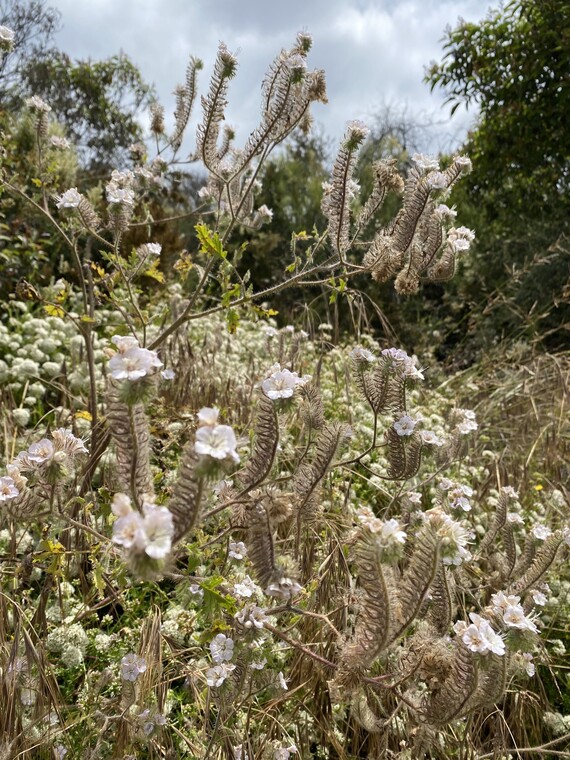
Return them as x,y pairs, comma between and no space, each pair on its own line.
373,51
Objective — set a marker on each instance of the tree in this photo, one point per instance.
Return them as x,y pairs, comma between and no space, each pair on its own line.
515,67
97,102
34,25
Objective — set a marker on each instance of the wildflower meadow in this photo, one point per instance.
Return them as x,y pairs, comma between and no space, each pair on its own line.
254,506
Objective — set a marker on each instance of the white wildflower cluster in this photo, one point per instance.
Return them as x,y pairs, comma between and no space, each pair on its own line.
148,533
119,190
222,652
356,131
40,459
251,617
284,753
35,103
284,589
70,642
454,537
405,425
362,355
61,143
215,441
425,163
479,636
150,721
511,613
398,362
237,550
246,588
388,534
458,495
444,212
222,648
34,349
281,382
466,421
131,362
132,666
437,180
70,198
459,239
541,532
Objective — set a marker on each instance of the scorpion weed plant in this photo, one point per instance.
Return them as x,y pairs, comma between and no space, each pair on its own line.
247,546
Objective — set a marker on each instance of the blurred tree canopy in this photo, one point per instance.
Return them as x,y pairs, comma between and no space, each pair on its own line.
97,102
515,66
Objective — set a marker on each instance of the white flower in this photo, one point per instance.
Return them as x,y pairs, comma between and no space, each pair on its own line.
480,637
514,617
541,532
8,489
128,531
356,130
217,675
218,442
37,104
501,602
133,364
251,616
245,588
203,192
437,180
158,527
509,492
430,438
405,425
154,248
270,332
258,665
284,589
116,194
425,163
282,681
414,497
467,421
281,383
41,452
221,648
528,663
464,162
362,354
444,212
121,505
69,199
196,590
283,753
59,142
132,666
514,518
265,212
124,342
237,549
539,598
208,416
122,177
168,374
65,441
389,532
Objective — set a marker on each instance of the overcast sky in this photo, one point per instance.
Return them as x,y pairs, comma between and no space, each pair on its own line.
373,51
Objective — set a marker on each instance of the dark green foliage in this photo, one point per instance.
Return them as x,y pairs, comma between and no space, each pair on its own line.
515,66
96,101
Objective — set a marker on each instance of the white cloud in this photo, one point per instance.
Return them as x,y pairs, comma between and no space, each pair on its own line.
373,52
